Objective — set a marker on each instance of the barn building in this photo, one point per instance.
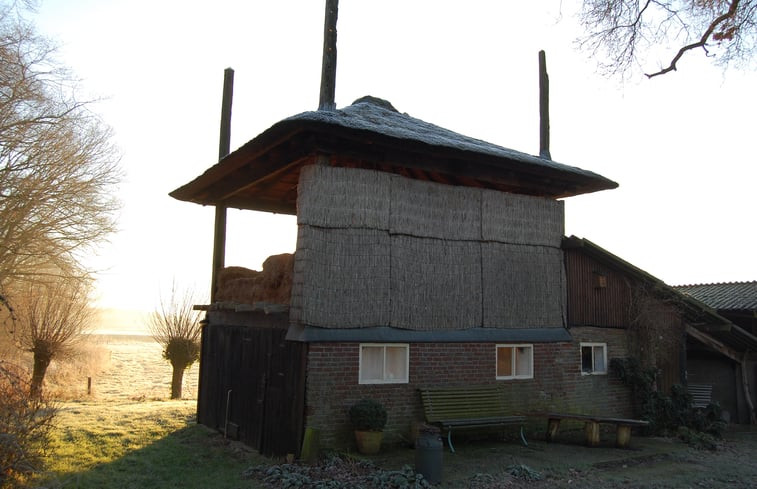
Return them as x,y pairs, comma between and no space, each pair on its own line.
423,258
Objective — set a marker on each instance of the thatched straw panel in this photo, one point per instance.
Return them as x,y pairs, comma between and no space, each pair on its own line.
343,197
434,210
523,286
436,284
341,278
522,219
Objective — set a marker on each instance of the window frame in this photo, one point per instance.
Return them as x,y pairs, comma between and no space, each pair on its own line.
592,345
513,346
384,380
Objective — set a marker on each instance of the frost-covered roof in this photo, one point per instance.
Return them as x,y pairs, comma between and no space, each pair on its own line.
372,134
733,296
379,116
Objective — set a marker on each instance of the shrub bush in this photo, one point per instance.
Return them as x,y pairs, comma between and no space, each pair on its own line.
368,415
25,424
666,414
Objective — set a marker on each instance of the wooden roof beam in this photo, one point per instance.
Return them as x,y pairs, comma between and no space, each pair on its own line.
713,343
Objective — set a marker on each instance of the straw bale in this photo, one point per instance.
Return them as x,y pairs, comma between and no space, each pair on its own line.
343,275
343,198
229,274
436,284
245,286
523,286
522,219
434,210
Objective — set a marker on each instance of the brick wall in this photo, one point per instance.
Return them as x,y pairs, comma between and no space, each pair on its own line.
332,382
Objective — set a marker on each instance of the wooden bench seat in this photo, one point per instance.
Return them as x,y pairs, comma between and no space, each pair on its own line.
591,427
467,407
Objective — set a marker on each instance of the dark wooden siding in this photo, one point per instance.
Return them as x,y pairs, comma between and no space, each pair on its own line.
589,303
253,381
603,296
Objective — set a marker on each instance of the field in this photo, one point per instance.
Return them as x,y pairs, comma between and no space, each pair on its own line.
132,367
127,434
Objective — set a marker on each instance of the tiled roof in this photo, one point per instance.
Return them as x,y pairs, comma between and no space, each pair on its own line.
733,296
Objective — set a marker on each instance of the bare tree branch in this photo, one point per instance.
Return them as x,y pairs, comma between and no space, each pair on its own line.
630,33
58,168
702,43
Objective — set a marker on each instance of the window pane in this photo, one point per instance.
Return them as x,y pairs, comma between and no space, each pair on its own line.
372,365
504,361
396,363
599,358
586,359
523,361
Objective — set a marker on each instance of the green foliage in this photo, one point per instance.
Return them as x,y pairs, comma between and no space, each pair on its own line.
697,439
523,472
337,472
666,414
368,415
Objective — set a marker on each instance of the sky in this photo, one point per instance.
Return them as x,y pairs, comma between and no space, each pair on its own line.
680,145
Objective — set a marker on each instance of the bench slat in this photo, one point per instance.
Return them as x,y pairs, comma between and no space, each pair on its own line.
598,419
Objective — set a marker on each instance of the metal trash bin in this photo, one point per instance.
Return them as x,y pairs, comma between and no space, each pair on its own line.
428,453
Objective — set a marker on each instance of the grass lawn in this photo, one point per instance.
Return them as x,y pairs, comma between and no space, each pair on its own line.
154,444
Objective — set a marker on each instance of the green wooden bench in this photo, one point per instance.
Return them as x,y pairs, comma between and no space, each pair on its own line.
591,427
466,407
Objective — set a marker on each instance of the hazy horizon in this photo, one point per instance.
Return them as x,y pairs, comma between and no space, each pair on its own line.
114,321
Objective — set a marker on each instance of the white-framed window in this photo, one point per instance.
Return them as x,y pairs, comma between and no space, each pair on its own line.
384,363
593,358
515,362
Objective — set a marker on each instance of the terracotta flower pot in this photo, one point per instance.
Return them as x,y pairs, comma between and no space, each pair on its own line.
368,442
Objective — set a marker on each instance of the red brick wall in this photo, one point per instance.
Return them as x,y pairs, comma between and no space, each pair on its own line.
332,382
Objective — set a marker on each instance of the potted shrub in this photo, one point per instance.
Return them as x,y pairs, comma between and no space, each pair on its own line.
368,418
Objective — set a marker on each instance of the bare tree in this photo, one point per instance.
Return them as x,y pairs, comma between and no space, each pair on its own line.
629,31
58,169
51,316
176,326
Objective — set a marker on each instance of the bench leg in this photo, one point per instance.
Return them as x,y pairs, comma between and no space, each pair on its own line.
623,436
592,433
553,425
523,437
449,440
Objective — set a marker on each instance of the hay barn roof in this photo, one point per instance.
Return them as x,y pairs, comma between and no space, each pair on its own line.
371,134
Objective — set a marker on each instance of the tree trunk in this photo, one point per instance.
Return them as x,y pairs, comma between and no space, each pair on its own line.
41,362
176,381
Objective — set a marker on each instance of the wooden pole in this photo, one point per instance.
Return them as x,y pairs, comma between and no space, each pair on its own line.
745,385
543,107
224,147
328,66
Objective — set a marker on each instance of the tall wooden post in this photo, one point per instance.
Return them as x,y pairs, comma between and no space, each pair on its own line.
543,107
328,63
224,147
